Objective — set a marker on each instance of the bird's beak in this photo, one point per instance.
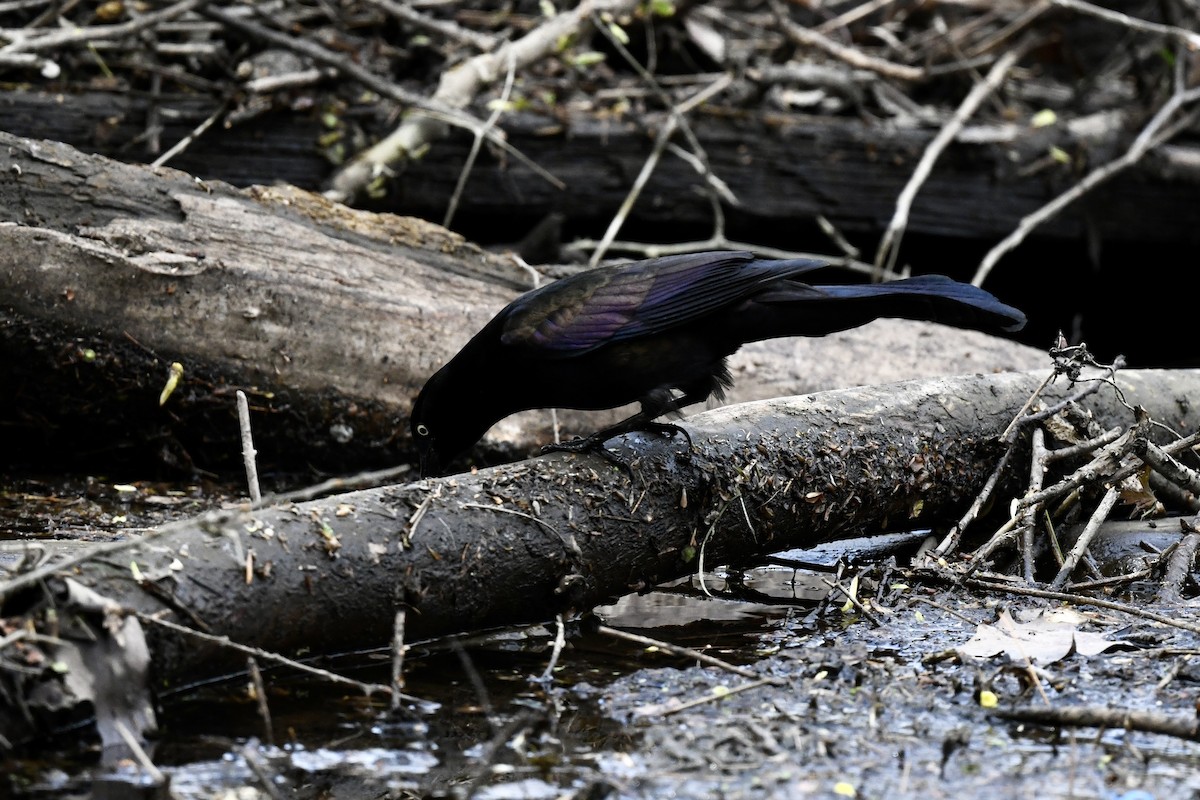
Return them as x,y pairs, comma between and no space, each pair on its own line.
429,463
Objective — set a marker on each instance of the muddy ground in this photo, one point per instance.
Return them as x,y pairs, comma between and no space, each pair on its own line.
839,705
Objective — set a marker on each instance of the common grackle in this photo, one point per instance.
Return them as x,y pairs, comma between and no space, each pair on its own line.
649,329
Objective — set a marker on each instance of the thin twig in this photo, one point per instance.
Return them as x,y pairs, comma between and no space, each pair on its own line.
1149,138
854,601
1084,600
1003,534
1084,447
889,247
458,86
260,698
855,58
477,143
1183,727
1190,38
362,479
195,134
674,649
835,235
614,226
92,33
718,186
1010,433
140,754
513,512
953,536
704,548
398,651
342,64
1085,537
432,108
1099,467
852,16
443,28
984,498
1114,580
290,80
972,55
712,697
677,119
265,779
560,641
1028,521
485,763
248,451
476,680
266,655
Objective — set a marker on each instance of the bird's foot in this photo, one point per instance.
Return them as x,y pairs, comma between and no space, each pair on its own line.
597,447
669,430
595,442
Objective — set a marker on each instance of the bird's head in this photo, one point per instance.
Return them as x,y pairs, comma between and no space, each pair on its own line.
445,421
431,428
426,442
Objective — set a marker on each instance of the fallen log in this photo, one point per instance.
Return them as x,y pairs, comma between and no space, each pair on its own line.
837,167
326,317
529,540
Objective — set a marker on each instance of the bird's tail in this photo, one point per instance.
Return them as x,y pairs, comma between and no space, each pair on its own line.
797,309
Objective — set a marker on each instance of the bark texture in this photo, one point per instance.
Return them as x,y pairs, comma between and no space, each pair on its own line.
525,541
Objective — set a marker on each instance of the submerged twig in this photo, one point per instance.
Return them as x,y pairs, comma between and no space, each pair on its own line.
265,655
1104,717
677,650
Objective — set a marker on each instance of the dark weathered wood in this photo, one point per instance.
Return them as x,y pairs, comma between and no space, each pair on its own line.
785,168
522,542
328,318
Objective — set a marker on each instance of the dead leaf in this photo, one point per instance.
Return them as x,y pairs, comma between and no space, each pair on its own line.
1049,636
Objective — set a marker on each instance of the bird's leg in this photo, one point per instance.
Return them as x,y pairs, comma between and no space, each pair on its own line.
654,405
638,422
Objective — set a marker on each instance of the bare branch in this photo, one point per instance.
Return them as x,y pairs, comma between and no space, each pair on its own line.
1149,138
458,87
92,33
436,26
855,58
1190,38
890,245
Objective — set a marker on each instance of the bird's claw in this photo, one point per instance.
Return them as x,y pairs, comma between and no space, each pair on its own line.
590,444
595,442
580,445
669,430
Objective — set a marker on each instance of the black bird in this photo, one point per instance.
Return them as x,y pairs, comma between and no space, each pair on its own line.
648,329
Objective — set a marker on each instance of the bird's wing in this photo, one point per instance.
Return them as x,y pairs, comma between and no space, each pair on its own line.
643,298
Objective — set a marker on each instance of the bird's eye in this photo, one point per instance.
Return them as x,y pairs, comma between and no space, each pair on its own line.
422,430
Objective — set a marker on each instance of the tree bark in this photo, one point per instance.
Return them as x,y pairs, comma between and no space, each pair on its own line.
328,318
518,543
525,541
